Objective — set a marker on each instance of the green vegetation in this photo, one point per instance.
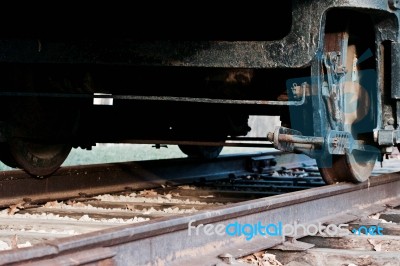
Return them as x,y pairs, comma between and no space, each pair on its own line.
108,153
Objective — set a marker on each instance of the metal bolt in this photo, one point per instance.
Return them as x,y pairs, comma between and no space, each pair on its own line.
335,142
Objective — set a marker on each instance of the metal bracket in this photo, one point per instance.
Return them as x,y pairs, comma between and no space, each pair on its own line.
259,164
337,142
332,90
388,137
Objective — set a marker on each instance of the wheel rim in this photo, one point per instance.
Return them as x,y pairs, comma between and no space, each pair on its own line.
357,165
38,159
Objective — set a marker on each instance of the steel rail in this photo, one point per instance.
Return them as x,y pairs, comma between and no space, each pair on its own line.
166,241
17,186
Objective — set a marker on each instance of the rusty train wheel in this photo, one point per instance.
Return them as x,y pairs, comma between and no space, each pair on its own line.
355,166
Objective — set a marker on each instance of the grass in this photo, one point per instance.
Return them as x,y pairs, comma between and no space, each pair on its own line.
132,152
110,153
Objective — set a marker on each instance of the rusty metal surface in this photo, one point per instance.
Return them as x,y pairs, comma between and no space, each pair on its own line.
96,256
167,241
294,50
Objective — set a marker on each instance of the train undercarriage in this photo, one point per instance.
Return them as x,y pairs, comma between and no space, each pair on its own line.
333,81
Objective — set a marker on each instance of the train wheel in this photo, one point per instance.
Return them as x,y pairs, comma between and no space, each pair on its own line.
355,167
203,152
38,159
357,118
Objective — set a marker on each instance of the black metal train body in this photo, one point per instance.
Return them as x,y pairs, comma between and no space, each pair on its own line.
329,69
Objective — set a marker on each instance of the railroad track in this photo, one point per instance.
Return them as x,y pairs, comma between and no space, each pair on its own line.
85,181
83,212
161,235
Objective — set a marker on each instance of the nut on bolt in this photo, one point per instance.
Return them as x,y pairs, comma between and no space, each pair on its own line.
335,142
